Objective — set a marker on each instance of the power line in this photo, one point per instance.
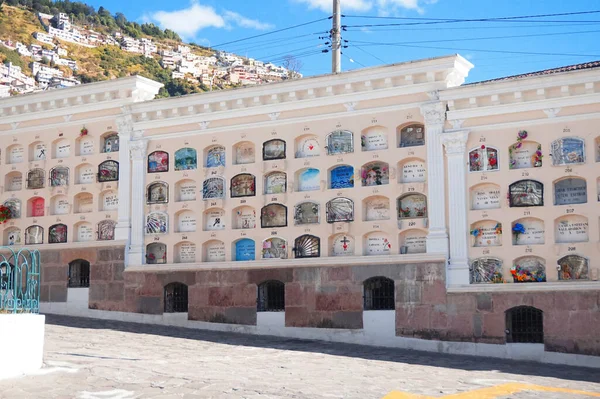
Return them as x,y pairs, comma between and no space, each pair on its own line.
461,21
272,32
465,27
474,20
353,60
260,43
371,54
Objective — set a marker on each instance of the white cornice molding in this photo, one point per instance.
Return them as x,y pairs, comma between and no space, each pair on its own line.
535,122
60,125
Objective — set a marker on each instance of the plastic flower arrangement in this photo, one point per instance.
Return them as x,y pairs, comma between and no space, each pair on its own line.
405,212
4,214
498,228
524,275
421,211
84,131
476,232
518,229
497,278
537,157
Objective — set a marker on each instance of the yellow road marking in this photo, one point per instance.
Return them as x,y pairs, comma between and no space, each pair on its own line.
492,392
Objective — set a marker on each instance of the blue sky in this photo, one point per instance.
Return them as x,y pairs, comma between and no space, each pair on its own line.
572,39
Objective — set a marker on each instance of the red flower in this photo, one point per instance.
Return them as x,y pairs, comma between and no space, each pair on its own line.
492,161
483,146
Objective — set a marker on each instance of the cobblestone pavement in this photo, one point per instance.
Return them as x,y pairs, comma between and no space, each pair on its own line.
99,359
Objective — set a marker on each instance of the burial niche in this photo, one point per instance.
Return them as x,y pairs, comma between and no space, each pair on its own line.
12,236
274,248
158,161
525,154
374,138
16,154
486,233
571,229
57,234
35,178
340,210
59,205
485,196
34,235
573,267
483,159
157,193
84,232
186,190
412,206
245,250
37,151
186,221
529,269
486,270
308,179
110,143
85,174
341,177
243,185
85,145
108,171
342,245
275,183
106,230
109,201
157,223
186,159
376,208
528,231
307,146
13,181
62,148
526,193
214,219
571,190
412,171
375,174
244,217
411,135
36,207
273,215
185,252
14,205
273,149
59,176
243,153
306,213
214,251
340,142
213,188
413,241
377,243
307,246
568,150
214,156
156,253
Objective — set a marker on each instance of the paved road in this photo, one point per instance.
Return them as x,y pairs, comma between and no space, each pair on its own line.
98,359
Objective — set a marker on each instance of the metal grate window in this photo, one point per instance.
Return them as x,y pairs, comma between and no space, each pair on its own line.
271,296
525,324
379,294
79,274
176,298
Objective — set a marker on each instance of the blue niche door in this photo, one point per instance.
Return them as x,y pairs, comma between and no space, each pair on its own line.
245,249
342,177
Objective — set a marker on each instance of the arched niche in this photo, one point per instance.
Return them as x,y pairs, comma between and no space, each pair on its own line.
61,148
525,193
570,190
36,207
15,154
376,207
83,231
59,205
413,241
59,176
307,146
244,250
529,269
375,174
13,181
571,229
214,219
483,159
158,161
110,142
244,153
13,236
307,246
273,149
274,248
213,251
84,145
185,252
36,178
275,183
185,221
186,159
486,233
213,188
108,171
157,223
412,206
34,235
340,210
525,154
156,253
308,179
38,151
273,215
243,185
106,230
528,231
485,196
411,135
486,269
307,212
341,245
214,156
341,176
85,174
84,203
157,193
14,204
568,151
57,233
340,142
573,267
185,190
374,138
377,243
109,201
412,170
244,217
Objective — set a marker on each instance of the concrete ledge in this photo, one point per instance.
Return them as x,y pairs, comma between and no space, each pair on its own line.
526,287
22,348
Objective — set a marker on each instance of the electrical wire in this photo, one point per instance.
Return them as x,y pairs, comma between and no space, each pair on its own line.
371,54
353,60
480,19
418,29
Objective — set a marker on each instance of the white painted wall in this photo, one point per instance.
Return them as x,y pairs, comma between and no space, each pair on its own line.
22,336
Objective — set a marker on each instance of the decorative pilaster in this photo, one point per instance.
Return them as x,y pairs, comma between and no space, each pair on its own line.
137,149
125,130
437,239
457,272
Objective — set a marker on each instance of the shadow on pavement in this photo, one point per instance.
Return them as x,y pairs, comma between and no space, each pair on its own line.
468,363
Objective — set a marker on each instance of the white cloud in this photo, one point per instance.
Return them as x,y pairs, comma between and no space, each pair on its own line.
189,21
384,7
326,5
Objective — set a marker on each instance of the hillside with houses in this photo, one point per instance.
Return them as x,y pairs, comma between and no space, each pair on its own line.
41,51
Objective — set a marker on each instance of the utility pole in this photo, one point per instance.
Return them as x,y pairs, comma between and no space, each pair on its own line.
336,39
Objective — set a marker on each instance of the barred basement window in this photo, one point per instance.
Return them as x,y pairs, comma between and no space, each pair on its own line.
176,298
271,296
79,274
525,324
379,294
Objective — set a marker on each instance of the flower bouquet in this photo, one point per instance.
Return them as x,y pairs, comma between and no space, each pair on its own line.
5,214
84,131
518,229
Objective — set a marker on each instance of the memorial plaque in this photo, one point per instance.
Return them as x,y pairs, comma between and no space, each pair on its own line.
106,230
36,178
158,161
245,218
487,233
307,146
486,270
568,150
158,193
275,183
342,245
306,213
14,182
375,174
377,243
15,208
526,193
187,190
273,149
273,215
13,237
340,142
374,139
274,248
528,231
86,146
39,152
187,252
34,235
215,251
61,205
213,188
244,153
377,208
573,228
37,207
245,250
525,155
156,223
308,180
412,206
186,159
243,185
214,219
85,232
86,174
341,177
110,201
340,210
187,221
215,157
485,196
570,191
57,234
156,253
108,171
63,149
573,267
413,135
414,242
413,172
16,154
111,143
